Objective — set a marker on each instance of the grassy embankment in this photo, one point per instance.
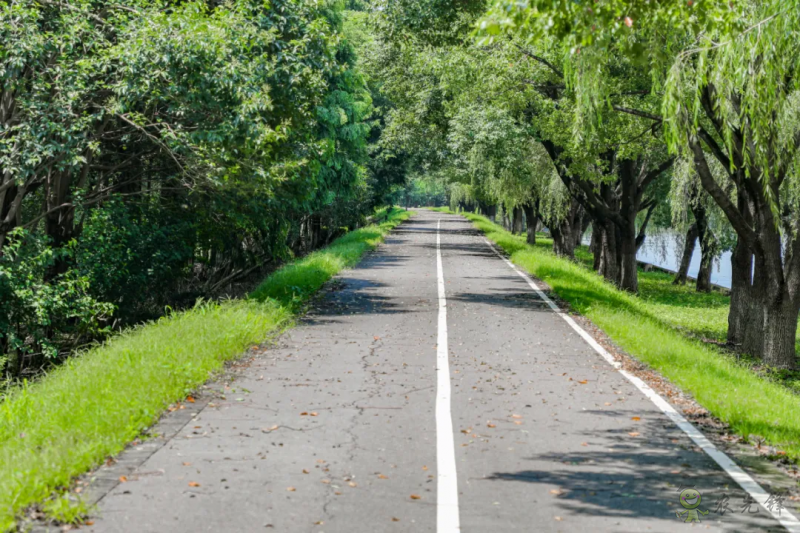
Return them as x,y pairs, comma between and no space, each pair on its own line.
666,326
91,407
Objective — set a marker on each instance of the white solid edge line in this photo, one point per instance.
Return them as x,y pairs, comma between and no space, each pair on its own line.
756,491
447,518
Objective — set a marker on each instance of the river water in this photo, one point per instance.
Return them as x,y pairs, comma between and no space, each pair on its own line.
664,249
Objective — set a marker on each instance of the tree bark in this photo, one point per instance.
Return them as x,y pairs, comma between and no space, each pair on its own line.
741,279
532,220
517,223
780,329
686,258
706,264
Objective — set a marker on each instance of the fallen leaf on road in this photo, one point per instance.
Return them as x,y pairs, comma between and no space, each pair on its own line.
291,489
353,484
304,413
194,484
326,481
186,464
123,479
518,422
313,413
395,519
583,381
416,497
319,523
381,476
516,416
464,431
190,399
89,523
608,403
634,433
305,471
557,518
635,418
424,467
491,425
556,491
320,461
584,443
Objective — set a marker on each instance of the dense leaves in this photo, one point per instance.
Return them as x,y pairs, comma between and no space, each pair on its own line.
156,151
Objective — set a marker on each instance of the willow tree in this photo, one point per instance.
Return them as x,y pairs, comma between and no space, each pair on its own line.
727,75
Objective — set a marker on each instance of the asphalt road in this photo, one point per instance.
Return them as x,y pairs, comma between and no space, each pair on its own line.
337,429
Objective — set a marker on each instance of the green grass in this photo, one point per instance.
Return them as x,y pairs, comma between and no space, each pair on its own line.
92,406
661,328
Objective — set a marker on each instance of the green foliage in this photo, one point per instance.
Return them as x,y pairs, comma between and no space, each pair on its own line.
164,149
34,308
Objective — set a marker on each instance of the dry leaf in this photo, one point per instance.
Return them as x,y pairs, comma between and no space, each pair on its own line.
321,461
194,484
123,479
376,337
190,399
584,443
518,422
634,433
556,491
89,523
304,413
291,489
583,381
353,484
416,497
381,476
395,519
305,471
186,464
635,418
557,518
326,481
424,467
313,413
491,425
516,416
319,523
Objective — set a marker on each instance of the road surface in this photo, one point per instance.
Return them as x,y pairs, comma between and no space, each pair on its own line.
347,425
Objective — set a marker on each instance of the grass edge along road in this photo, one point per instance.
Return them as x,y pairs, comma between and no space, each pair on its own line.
93,405
748,403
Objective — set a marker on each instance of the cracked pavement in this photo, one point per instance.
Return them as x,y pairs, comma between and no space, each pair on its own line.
333,430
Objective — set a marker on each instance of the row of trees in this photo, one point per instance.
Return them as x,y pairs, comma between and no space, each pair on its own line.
154,151
615,114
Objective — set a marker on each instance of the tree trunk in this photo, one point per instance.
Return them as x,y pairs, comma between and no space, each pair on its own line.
629,272
706,263
780,329
609,251
532,221
517,214
741,280
491,212
686,258
595,246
